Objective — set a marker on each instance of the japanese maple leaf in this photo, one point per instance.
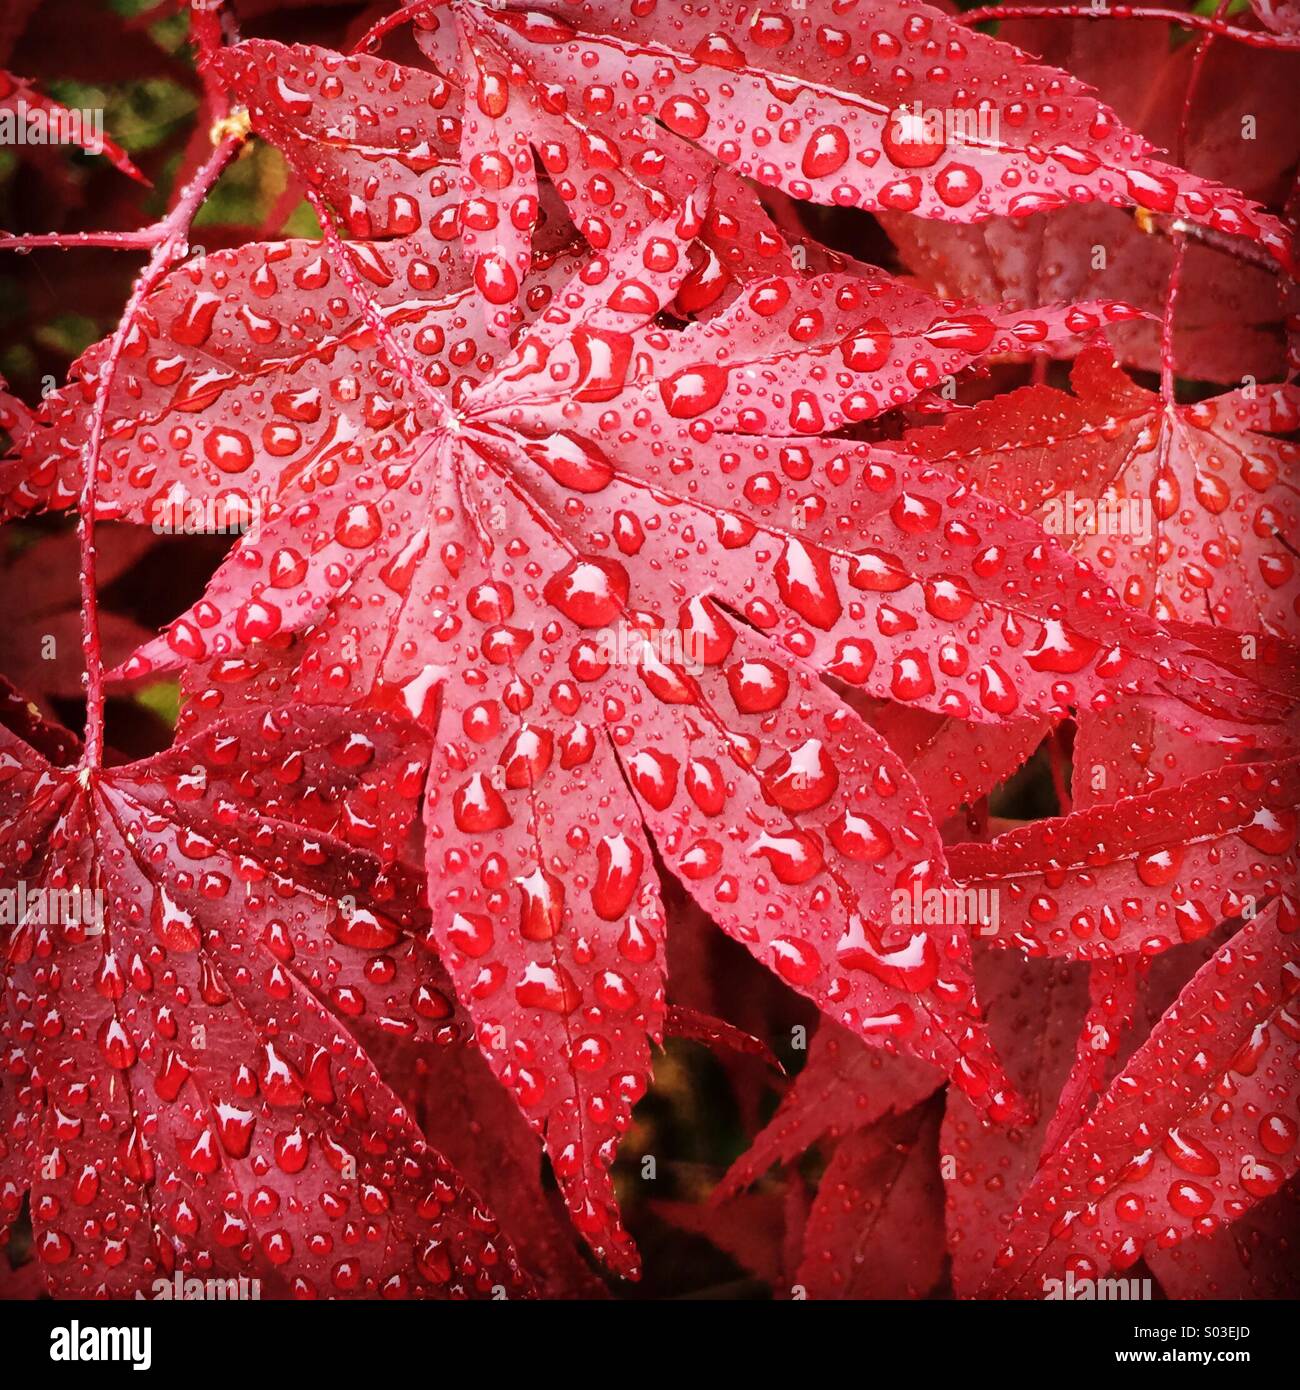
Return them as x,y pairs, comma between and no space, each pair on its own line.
844,1087
1253,1258
474,1122
187,1082
582,1083
1036,1010
611,190
956,761
1251,1255
1124,753
1229,315
371,165
40,120
755,1230
876,1229
380,140
1201,507
891,501
1115,756
1127,752
383,138
188,415
1114,997
1282,16
1065,1030
1144,873
851,109
1197,1128
232,391
414,601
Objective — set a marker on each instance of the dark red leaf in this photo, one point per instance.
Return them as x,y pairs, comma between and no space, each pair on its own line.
1146,873
876,1225
1197,1128
186,1089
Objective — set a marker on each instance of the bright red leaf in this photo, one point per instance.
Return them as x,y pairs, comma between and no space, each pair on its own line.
621,576
885,107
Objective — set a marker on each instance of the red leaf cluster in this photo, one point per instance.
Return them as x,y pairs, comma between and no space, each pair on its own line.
624,577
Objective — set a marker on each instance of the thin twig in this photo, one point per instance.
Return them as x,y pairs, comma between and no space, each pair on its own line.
169,239
1167,359
1247,252
211,28
142,240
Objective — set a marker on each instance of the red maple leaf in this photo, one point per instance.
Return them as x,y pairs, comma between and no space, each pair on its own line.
876,1225
188,1085
597,600
833,106
843,1087
1192,512
1166,1156
38,120
1145,874
555,940
1231,307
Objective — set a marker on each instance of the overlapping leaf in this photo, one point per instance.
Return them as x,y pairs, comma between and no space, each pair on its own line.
1191,512
843,1087
876,1225
546,657
38,120
886,107
188,1085
1035,1011
1148,873
1197,1128
370,164
605,527
1229,319
955,761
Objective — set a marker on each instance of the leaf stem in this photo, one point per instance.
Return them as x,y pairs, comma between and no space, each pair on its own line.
142,240
169,242
1239,249
1167,357
212,26
172,244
